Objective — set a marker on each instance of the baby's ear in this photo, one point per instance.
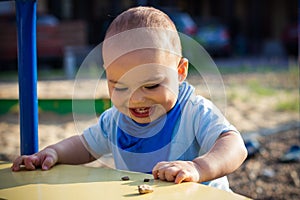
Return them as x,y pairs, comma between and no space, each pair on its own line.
182,69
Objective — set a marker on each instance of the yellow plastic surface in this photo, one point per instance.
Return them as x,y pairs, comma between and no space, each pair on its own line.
79,182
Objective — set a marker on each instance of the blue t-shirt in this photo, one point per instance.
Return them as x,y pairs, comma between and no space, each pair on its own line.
189,130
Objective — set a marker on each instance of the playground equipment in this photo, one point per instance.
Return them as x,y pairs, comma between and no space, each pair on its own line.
65,181
27,72
78,182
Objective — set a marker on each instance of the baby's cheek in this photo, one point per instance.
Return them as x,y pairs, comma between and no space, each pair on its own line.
118,98
117,101
120,103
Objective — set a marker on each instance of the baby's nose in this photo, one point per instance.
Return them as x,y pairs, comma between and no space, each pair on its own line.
137,96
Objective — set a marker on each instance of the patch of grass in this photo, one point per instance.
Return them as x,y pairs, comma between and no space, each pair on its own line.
257,88
9,76
288,105
293,73
232,96
48,74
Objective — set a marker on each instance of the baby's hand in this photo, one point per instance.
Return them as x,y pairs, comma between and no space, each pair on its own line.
177,171
44,159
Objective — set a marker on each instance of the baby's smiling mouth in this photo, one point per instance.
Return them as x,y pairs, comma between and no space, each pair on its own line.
141,112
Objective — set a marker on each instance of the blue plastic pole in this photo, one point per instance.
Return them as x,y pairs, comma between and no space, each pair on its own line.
27,72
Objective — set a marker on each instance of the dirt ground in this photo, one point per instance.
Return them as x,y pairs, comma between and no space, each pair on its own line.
264,176
251,107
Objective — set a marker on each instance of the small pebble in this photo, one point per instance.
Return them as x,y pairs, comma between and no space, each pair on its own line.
146,180
125,178
144,189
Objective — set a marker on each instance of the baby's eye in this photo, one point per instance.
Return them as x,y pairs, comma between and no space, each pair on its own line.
120,89
150,87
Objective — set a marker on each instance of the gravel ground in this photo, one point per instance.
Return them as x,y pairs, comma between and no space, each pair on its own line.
263,176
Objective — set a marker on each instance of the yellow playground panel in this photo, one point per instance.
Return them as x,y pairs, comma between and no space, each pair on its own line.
80,182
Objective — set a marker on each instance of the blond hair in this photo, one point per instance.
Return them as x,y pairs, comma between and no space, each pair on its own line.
140,28
139,17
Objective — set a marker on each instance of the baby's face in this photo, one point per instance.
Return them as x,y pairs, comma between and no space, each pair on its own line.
143,84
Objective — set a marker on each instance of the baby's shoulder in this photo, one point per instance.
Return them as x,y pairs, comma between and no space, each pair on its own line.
198,100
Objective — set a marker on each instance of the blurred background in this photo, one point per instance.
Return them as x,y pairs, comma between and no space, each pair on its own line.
225,28
254,44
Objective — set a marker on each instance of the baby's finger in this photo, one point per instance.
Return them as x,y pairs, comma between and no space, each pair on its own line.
182,176
169,176
171,173
157,168
31,162
48,163
155,174
17,163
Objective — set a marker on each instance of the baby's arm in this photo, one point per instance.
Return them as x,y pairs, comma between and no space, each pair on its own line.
227,154
68,151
